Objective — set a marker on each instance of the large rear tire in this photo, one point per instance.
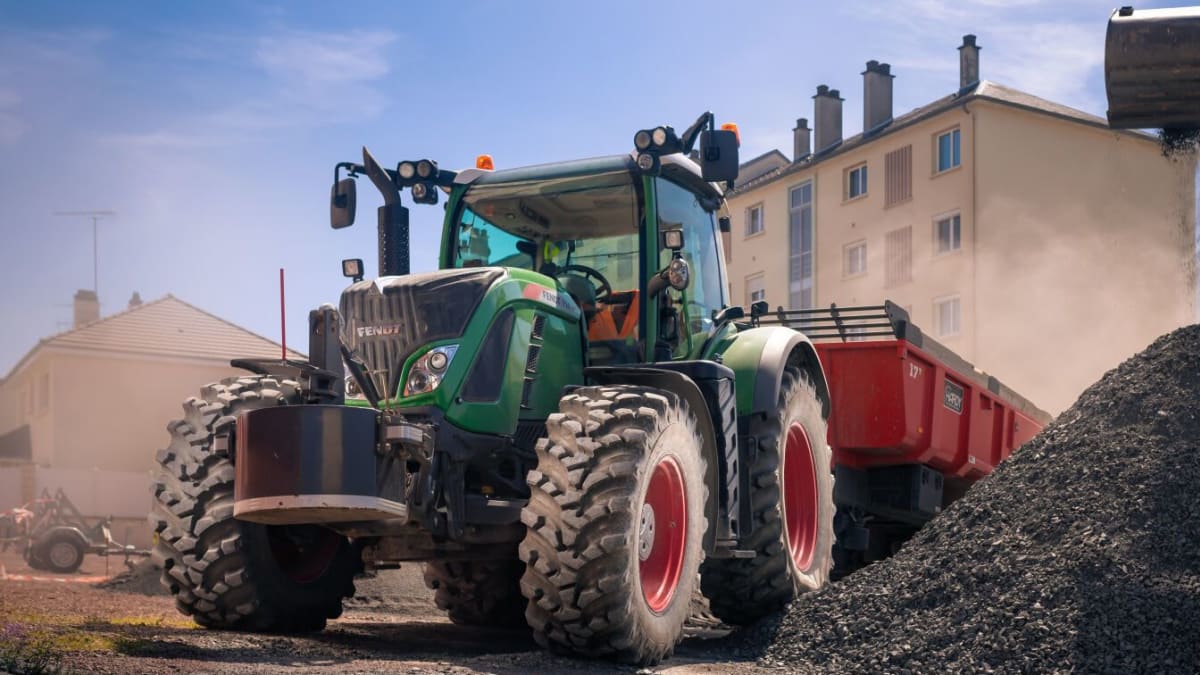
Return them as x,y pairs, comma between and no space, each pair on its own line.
614,524
792,503
231,574
478,592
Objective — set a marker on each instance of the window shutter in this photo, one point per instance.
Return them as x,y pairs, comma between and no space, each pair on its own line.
897,167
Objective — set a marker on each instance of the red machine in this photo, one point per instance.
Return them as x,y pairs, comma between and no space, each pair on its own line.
913,424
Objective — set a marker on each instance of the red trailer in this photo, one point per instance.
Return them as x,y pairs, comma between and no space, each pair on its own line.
913,424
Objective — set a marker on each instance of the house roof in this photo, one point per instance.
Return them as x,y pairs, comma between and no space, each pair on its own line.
984,90
167,327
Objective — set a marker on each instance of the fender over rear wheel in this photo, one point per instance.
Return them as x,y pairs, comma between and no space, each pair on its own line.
792,503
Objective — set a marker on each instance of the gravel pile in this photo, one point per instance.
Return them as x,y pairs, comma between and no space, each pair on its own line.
1081,553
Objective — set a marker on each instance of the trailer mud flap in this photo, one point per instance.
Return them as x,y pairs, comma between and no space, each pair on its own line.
309,464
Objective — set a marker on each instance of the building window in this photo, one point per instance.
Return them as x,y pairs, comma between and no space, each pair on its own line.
856,181
854,259
897,176
800,247
949,154
948,314
898,253
948,234
754,220
755,289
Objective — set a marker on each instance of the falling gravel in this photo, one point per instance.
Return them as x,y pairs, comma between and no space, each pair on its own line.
1081,553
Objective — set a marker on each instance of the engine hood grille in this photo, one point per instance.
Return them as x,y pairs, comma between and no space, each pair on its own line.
384,320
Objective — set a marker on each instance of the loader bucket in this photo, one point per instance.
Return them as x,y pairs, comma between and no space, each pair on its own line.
1152,68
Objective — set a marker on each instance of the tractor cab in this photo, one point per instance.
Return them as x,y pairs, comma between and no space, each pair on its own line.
639,254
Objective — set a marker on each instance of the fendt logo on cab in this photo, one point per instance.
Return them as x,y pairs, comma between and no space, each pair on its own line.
373,331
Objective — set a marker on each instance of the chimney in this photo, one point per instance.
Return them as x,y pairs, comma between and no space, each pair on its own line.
827,111
801,140
877,95
968,63
135,301
87,307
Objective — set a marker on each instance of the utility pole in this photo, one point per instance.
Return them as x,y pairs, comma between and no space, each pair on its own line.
95,216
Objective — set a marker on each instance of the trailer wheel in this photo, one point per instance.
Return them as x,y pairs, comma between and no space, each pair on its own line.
60,551
231,574
792,503
478,592
614,524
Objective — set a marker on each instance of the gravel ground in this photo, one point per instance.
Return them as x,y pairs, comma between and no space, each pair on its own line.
1079,554
128,625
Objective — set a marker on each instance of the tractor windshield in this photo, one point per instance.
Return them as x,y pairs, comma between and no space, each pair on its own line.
548,225
582,230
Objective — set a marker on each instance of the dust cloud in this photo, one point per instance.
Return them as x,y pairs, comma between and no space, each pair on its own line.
1070,293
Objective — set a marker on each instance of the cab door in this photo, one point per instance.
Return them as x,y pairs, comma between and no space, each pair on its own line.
686,317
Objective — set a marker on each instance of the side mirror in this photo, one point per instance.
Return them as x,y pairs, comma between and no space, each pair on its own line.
719,155
342,204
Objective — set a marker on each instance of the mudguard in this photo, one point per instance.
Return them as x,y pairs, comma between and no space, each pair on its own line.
758,357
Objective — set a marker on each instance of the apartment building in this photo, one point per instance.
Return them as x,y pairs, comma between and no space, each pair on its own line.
1023,234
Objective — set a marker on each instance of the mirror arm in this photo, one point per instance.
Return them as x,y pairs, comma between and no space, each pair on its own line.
352,170
693,132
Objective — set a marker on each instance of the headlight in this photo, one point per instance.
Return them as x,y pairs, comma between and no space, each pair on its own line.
659,136
425,168
426,373
641,140
406,170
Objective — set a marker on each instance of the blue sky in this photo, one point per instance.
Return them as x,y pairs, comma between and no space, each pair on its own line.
212,128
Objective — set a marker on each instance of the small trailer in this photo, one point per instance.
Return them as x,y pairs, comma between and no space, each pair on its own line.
912,426
53,535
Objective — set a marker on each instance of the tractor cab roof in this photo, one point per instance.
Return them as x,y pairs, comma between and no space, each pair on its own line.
677,166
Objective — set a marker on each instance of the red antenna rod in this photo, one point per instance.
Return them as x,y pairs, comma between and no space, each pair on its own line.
282,318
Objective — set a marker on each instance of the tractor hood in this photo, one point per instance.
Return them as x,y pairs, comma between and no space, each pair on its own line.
384,320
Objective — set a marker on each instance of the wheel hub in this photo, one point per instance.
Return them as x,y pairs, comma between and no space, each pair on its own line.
800,503
646,532
662,534
62,554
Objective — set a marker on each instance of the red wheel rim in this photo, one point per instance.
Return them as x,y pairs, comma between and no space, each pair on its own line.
800,497
662,534
303,552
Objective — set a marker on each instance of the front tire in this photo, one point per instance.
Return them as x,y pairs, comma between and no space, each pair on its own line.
614,524
792,503
232,574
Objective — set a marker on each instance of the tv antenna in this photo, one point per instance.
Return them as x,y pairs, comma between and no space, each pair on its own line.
95,216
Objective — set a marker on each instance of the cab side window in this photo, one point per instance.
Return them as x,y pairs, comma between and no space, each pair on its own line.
679,208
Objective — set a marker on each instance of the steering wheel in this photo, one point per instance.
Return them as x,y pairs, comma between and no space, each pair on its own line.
603,288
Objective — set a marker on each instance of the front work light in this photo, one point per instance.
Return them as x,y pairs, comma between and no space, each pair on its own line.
426,168
641,140
352,268
659,136
407,170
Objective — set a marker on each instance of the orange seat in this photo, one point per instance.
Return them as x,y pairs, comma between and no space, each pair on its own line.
622,308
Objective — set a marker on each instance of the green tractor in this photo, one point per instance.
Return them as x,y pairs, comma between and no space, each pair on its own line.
567,423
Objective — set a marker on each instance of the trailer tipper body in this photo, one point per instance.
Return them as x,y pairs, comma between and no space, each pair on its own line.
912,424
